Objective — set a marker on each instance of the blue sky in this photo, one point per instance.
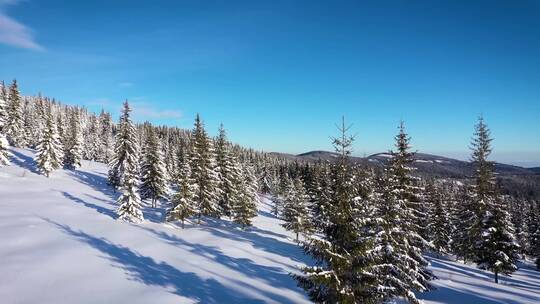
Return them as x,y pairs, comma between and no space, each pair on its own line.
279,74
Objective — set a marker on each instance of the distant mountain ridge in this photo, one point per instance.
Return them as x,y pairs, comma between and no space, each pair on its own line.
429,164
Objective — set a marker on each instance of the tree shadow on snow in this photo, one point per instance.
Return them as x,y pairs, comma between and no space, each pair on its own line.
256,237
23,161
467,295
103,210
275,276
146,270
96,181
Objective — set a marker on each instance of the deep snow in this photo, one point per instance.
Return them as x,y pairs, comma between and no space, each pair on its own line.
60,243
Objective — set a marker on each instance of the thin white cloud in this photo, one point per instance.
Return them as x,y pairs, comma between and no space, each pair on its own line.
146,112
126,84
15,33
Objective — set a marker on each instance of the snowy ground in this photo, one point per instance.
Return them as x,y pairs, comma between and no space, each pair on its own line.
60,243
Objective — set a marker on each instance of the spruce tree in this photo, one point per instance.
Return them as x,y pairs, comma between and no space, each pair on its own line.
244,200
466,218
321,198
105,137
495,246
295,210
92,143
343,272
439,220
228,173
414,213
4,153
125,154
74,146
49,154
533,229
395,264
154,183
204,173
14,128
183,203
123,172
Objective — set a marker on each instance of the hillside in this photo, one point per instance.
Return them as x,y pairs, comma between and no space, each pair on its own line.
514,180
425,163
62,244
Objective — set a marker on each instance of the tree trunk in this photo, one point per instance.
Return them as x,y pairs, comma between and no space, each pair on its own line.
297,236
199,219
496,277
182,224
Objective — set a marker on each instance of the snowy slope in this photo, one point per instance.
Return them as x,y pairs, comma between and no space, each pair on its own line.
463,284
60,243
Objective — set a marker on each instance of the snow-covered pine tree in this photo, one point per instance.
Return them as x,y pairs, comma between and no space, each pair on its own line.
229,173
49,154
92,143
245,198
295,212
204,173
31,134
4,153
123,172
183,203
439,228
14,128
466,217
394,263
495,246
60,126
533,228
414,213
74,144
518,211
153,181
320,194
105,137
125,154
343,272
39,118
279,192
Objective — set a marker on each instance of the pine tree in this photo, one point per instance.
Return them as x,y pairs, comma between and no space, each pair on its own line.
320,197
343,272
414,212
439,220
124,169
228,173
396,266
533,228
106,145
125,150
4,153
495,246
518,217
154,183
92,144
466,217
295,210
30,128
49,154
244,201
14,128
74,151
183,199
204,173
